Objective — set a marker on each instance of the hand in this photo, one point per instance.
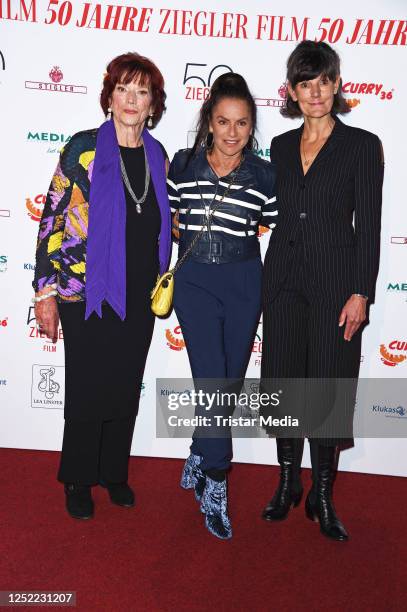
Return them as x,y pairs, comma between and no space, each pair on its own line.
353,313
46,314
175,225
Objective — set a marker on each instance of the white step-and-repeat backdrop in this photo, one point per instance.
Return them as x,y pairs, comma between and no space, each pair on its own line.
53,55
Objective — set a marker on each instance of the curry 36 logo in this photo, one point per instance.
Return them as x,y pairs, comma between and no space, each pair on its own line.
47,390
369,89
274,102
174,339
56,75
35,207
200,73
391,355
3,322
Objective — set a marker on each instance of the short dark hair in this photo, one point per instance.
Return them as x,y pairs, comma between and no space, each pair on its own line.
228,85
308,60
130,67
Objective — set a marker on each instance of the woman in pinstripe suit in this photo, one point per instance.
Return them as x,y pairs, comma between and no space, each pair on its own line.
320,271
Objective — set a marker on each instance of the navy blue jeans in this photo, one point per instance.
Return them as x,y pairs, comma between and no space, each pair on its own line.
218,307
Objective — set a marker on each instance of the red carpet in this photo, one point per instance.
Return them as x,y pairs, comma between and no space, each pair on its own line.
159,557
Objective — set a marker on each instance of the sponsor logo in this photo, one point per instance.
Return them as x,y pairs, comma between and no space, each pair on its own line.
398,240
55,140
29,266
4,212
371,89
394,353
198,79
174,339
390,286
257,348
262,230
2,61
56,76
274,102
33,332
142,389
263,153
3,382
352,102
3,263
47,389
35,207
390,412
3,322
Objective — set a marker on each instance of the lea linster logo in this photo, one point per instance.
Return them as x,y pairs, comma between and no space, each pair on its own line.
47,390
35,207
176,344
274,102
394,353
56,76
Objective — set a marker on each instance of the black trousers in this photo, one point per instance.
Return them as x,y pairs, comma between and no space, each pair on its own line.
304,350
95,451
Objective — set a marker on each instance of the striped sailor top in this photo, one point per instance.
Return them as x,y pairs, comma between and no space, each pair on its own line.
232,233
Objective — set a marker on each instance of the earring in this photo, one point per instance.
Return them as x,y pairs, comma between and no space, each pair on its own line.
150,121
109,114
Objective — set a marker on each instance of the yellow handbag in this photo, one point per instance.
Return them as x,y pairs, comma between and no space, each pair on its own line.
163,292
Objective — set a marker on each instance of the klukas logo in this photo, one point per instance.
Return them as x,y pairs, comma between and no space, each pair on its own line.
35,207
175,343
56,75
274,102
391,355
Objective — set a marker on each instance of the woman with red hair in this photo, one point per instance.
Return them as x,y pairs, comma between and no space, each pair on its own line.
104,235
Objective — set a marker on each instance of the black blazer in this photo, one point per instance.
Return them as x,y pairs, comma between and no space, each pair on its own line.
317,209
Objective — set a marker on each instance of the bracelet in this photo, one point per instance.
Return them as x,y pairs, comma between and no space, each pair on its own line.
45,296
365,297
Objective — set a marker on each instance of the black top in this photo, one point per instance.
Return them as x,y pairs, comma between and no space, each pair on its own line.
142,230
345,179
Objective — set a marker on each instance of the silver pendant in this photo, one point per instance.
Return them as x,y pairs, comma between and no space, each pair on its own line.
138,208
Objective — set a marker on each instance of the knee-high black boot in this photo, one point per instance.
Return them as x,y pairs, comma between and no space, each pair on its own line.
319,505
289,491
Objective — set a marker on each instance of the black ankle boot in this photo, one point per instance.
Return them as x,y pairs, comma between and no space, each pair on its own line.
289,491
78,501
120,493
318,505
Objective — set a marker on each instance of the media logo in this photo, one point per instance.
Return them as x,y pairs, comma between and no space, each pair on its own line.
3,263
370,89
395,288
35,208
56,76
391,355
274,102
175,343
47,388
390,412
202,74
398,240
54,140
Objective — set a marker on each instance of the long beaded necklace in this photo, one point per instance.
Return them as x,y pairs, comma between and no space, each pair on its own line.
138,201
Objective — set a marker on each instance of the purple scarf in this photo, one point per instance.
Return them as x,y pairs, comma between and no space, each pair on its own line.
106,244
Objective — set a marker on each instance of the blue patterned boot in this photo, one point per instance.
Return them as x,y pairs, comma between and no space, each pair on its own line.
192,476
214,505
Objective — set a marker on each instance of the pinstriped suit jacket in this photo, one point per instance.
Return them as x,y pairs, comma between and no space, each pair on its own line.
344,182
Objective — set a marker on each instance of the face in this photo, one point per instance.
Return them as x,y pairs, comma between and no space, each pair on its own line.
316,96
231,126
131,104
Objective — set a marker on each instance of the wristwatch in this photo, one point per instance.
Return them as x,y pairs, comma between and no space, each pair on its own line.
365,297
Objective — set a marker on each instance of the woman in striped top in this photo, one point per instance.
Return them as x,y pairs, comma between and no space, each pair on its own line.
222,186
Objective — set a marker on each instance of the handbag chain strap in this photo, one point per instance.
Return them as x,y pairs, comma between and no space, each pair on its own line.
208,218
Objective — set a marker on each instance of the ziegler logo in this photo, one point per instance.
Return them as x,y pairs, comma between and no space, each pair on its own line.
56,76
391,358
176,344
204,76
274,102
35,208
